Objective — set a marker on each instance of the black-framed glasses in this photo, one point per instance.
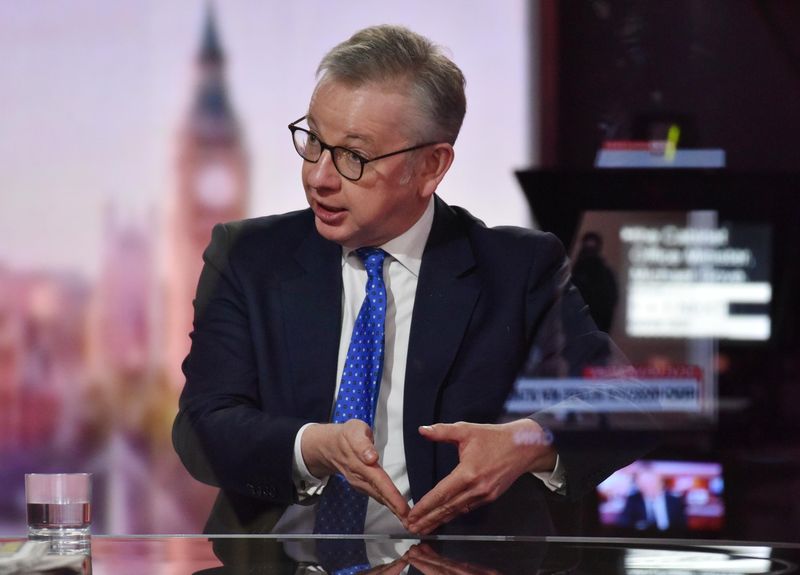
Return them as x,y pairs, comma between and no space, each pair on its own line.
348,163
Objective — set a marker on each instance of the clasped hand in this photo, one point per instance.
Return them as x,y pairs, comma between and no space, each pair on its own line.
491,458
348,448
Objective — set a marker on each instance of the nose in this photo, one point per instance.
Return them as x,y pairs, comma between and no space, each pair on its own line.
323,175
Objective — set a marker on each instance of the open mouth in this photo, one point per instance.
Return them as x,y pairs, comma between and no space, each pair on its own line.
328,214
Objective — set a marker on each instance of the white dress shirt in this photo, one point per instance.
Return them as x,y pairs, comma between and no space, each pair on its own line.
401,272
656,511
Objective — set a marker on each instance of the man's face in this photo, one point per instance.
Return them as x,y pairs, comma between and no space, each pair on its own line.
371,120
649,483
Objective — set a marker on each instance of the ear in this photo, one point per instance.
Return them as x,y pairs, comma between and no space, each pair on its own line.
433,166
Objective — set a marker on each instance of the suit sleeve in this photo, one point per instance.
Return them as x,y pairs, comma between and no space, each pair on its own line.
223,433
564,341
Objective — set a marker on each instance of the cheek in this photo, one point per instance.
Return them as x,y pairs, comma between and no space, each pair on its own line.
364,207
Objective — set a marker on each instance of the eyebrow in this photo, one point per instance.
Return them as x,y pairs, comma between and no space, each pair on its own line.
348,137
365,139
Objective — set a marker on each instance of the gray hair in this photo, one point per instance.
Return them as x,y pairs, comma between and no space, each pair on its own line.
396,54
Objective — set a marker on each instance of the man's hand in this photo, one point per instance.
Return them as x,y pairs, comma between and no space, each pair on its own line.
491,458
348,448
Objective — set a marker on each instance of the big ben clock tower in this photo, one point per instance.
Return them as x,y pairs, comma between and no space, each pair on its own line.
212,184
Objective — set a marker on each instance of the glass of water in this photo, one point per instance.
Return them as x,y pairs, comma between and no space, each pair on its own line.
59,510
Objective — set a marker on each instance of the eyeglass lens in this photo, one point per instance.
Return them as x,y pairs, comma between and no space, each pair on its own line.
310,148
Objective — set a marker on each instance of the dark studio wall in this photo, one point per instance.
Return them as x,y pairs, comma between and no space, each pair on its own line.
727,71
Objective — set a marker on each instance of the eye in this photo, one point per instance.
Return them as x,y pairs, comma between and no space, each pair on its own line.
312,138
350,156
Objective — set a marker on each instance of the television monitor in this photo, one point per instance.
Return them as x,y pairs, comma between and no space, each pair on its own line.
747,299
704,270
662,496
673,274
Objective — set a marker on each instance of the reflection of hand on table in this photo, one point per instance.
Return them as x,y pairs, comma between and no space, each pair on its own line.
428,562
348,448
394,568
491,458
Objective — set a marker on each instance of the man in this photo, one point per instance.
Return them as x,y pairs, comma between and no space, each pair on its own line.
462,308
651,507
596,281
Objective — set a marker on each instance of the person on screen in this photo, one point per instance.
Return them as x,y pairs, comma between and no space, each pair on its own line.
651,507
596,280
315,408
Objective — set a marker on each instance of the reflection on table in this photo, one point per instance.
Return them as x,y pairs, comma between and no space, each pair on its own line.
436,555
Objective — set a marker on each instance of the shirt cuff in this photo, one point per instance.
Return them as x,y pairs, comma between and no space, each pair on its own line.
306,484
555,480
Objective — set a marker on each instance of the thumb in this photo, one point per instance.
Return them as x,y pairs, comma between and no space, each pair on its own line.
448,432
363,445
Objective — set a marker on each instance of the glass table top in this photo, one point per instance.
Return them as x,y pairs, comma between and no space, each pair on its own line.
297,555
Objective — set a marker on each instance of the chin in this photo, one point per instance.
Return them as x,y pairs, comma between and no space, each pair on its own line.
335,234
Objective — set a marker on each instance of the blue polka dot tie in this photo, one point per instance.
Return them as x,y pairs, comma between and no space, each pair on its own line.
342,509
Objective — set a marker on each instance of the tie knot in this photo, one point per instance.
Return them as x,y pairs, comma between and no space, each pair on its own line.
373,260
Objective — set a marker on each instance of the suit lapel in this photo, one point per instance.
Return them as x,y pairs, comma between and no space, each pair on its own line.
311,297
446,295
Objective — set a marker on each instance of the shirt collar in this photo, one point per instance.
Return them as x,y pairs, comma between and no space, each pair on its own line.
407,248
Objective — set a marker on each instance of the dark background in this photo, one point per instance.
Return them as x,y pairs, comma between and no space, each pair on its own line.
728,73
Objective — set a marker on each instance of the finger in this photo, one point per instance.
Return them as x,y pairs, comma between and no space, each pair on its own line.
451,497
364,472
431,563
444,432
359,438
461,505
433,521
394,568
419,551
428,524
376,483
421,554
387,491
442,493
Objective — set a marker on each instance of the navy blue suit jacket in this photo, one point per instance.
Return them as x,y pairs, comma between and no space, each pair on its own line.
490,302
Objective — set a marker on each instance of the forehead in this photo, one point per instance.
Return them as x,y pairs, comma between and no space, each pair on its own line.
648,476
373,112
